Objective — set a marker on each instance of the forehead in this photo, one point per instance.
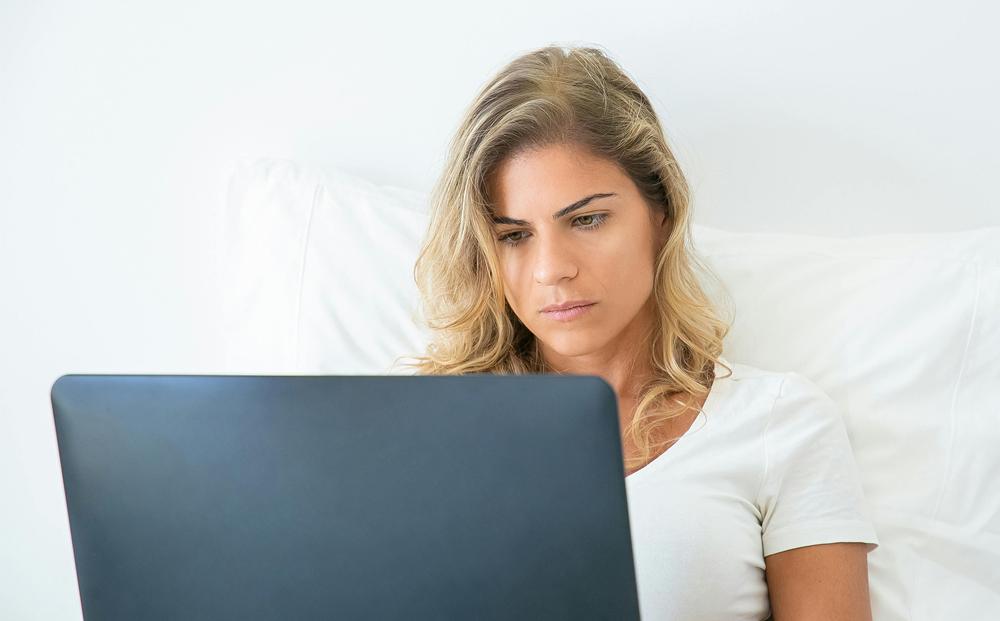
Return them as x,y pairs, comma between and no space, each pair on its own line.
544,178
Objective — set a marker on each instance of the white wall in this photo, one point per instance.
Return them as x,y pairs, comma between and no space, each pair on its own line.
119,121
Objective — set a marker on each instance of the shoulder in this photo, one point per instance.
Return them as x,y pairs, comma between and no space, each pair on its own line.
747,377
783,411
748,389
801,400
785,392
801,417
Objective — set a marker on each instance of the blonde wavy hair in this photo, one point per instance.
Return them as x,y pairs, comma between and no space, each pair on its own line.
561,95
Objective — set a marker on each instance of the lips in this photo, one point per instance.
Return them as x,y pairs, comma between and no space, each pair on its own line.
566,305
569,314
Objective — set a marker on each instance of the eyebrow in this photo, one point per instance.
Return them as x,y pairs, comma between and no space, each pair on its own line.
583,202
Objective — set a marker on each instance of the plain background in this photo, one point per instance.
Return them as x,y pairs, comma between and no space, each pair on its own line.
120,123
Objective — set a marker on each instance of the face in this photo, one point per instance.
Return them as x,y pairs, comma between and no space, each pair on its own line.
584,233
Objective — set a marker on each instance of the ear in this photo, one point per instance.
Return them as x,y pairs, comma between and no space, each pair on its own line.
665,226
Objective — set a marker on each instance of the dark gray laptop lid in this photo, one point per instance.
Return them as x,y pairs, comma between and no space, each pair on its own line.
345,497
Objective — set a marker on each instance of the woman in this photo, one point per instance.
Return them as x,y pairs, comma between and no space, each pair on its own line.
559,243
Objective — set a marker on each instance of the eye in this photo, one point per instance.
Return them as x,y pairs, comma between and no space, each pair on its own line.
593,221
598,218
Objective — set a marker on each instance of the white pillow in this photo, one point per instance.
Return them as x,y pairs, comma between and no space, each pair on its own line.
319,271
902,331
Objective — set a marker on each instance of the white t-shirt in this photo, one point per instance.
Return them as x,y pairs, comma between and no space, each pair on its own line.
767,467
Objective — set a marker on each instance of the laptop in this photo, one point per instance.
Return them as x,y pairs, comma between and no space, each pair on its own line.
249,497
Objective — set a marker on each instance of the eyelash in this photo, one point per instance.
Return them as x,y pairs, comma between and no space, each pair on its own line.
599,219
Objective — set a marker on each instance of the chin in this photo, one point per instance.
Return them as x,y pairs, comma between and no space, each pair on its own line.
570,342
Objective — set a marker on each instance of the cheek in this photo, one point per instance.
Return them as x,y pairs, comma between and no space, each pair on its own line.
517,290
511,284
634,255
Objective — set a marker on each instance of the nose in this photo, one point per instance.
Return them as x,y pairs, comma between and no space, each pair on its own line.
553,261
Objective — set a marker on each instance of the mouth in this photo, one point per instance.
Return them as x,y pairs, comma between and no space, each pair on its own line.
568,314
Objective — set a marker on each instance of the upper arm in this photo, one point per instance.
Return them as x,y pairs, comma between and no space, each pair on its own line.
826,581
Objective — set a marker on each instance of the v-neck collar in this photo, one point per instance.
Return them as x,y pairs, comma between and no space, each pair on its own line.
718,386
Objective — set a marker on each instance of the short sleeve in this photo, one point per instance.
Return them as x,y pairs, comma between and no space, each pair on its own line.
811,488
